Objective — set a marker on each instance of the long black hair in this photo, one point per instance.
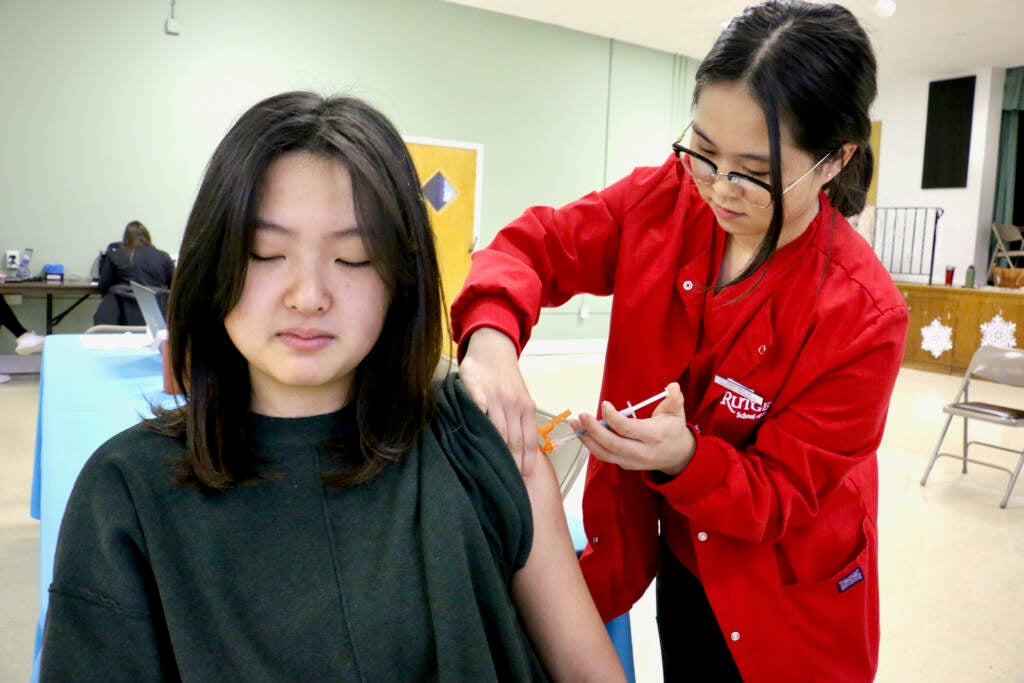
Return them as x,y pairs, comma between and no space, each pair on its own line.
812,67
391,392
135,235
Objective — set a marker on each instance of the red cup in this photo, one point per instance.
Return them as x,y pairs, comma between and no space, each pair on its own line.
949,275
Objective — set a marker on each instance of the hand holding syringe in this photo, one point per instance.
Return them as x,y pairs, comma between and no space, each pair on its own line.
628,411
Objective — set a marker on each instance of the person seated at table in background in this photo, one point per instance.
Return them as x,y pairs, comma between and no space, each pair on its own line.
133,259
317,507
28,341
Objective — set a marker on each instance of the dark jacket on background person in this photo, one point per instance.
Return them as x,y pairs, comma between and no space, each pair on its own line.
118,268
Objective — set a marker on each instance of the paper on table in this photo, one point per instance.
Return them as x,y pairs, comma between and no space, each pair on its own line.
125,340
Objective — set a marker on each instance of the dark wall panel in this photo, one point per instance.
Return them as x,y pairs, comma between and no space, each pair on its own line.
947,140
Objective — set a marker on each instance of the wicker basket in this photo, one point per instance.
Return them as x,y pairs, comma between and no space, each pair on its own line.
1008,277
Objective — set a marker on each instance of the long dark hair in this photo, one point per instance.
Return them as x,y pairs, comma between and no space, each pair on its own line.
391,392
135,235
812,67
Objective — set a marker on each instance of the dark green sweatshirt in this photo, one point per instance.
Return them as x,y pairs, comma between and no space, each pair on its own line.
405,578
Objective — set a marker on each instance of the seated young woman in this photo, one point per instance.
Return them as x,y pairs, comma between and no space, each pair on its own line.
317,508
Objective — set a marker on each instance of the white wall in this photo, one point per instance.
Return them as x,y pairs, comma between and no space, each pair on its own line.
649,102
105,119
964,228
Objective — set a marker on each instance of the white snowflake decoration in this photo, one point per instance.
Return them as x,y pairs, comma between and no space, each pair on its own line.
937,338
999,332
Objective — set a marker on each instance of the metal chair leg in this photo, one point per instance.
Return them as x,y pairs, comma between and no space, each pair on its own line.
935,453
963,464
1013,480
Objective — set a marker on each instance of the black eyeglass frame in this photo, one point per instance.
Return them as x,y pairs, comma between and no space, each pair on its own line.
731,176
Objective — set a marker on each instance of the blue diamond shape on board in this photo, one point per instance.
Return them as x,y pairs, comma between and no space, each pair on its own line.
438,191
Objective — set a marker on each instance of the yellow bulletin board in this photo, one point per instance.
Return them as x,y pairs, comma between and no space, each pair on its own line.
450,175
876,147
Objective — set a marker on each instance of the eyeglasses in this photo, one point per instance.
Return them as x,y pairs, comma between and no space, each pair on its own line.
754,191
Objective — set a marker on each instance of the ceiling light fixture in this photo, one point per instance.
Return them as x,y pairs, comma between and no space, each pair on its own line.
172,26
884,8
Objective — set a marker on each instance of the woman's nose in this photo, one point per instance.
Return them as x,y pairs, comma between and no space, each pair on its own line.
723,185
308,293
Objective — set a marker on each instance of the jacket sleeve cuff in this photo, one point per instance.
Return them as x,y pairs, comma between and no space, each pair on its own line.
705,472
487,312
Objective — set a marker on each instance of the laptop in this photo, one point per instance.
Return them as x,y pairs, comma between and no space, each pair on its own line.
151,313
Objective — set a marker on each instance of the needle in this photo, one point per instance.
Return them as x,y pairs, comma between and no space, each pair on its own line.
628,411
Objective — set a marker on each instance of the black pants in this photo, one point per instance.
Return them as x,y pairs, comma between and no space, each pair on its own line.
9,320
692,645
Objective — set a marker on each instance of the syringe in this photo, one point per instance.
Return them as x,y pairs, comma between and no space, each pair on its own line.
628,411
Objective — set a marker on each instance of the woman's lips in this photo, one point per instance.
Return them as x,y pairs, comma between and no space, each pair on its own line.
305,340
724,213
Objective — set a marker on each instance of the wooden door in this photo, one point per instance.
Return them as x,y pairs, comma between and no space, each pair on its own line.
969,311
450,175
1002,309
926,305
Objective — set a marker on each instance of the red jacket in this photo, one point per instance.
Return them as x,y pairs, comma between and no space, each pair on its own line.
777,511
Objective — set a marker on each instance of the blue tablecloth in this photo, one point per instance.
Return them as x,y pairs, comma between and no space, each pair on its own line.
86,395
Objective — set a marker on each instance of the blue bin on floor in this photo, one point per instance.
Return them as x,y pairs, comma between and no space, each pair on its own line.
618,628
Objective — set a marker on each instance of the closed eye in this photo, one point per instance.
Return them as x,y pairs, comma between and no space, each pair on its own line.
710,154
353,264
746,171
259,257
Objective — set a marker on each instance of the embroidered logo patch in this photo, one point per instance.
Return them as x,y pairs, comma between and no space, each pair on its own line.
850,580
743,408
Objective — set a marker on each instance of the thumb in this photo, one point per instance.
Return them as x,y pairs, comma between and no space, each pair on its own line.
673,401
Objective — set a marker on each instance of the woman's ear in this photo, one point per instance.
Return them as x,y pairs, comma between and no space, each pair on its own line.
838,162
846,151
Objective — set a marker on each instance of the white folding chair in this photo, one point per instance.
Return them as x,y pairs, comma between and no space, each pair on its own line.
1006,235
1003,366
568,458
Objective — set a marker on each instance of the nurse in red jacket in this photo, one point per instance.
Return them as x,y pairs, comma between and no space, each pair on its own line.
751,492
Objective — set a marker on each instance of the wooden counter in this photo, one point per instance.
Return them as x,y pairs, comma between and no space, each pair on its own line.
962,312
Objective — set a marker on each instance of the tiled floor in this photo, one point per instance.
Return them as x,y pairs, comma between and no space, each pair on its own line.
19,533
952,561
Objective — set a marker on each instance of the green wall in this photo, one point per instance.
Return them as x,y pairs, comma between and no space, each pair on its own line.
106,119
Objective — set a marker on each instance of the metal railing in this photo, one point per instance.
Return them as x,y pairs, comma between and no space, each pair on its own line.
904,239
